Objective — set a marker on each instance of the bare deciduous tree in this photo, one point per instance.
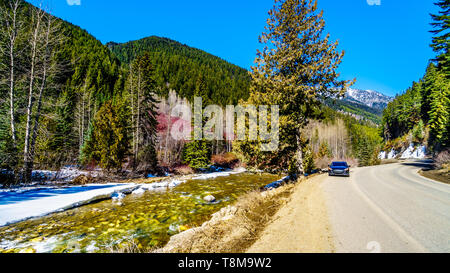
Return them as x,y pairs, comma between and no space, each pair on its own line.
11,30
44,37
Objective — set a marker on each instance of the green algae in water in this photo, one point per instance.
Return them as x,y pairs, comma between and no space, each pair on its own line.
144,220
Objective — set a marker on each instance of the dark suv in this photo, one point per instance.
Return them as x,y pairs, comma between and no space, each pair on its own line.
339,168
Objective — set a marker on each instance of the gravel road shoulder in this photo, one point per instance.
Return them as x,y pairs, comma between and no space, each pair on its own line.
301,226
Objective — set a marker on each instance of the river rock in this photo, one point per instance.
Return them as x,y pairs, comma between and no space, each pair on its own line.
117,196
209,198
82,180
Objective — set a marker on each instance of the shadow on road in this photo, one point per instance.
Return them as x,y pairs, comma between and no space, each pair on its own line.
425,164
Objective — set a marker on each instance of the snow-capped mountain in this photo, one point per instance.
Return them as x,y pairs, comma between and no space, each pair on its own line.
368,97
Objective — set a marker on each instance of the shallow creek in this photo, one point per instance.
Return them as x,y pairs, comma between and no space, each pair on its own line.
142,221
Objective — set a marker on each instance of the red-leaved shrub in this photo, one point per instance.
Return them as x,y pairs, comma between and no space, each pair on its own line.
228,160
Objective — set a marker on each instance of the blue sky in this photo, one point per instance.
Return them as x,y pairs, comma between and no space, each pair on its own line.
387,45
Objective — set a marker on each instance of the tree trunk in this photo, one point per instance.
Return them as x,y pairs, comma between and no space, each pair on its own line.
132,116
299,154
27,153
138,114
12,29
37,116
11,98
166,148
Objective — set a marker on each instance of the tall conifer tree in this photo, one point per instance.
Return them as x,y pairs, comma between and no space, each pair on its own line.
441,42
296,70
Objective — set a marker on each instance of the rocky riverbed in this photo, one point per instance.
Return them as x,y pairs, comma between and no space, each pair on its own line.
146,218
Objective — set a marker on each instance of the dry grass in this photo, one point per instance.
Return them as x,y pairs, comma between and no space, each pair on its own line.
301,226
441,172
234,228
441,175
389,161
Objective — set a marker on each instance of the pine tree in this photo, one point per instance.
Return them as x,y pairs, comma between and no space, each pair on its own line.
201,90
418,132
144,101
365,152
308,159
440,111
324,150
441,42
197,154
296,70
108,142
426,90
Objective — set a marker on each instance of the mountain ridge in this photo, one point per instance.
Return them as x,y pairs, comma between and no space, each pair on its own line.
369,98
188,70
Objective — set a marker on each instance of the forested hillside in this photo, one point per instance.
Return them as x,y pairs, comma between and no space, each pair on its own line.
68,99
189,71
422,113
55,76
357,110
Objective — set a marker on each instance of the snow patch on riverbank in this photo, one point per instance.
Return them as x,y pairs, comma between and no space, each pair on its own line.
18,206
67,173
218,174
23,203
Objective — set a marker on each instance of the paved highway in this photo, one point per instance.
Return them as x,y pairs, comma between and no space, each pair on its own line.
388,208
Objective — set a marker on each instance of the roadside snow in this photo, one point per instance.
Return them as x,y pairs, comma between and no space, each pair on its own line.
18,206
416,153
412,152
420,152
408,153
392,154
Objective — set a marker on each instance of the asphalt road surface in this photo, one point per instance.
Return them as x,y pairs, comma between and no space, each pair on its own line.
388,208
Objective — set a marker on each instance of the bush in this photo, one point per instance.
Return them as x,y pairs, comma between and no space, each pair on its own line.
418,132
228,160
6,178
197,154
442,159
308,160
324,150
83,180
147,160
183,170
322,162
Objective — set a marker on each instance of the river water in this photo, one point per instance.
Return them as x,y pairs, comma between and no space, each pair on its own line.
142,221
